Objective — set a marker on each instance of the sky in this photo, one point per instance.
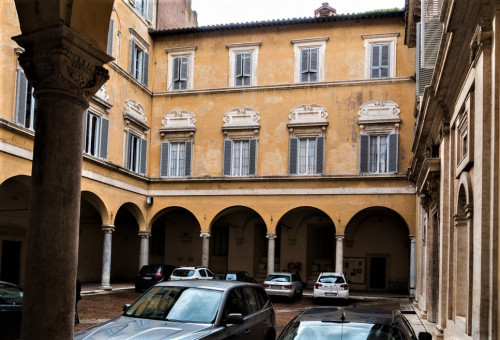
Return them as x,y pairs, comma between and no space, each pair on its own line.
214,12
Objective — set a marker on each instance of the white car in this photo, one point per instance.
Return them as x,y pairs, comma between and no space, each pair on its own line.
331,285
191,273
283,284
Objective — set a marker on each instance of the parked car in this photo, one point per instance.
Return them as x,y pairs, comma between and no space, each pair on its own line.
350,323
234,275
283,284
191,273
331,285
151,274
11,305
171,310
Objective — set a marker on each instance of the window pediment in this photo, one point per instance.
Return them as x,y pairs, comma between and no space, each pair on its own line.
135,115
379,116
308,120
178,124
241,123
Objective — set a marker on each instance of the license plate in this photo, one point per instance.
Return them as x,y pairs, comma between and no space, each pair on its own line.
275,287
330,294
147,277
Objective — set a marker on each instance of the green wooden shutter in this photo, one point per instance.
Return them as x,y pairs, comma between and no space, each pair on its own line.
228,152
320,155
364,148
304,65
393,140
145,68
85,119
292,164
149,11
165,146
110,37
132,58
104,138
189,157
313,64
21,96
143,156
375,61
128,145
384,61
176,68
247,64
252,166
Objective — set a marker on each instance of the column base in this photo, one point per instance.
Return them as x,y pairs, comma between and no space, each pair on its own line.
106,287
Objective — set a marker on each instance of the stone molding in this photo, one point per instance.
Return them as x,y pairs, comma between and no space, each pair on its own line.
241,123
205,234
144,234
271,236
135,114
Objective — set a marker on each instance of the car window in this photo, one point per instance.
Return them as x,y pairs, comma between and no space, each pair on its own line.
247,277
331,279
231,277
262,295
209,273
10,295
234,303
203,273
278,278
252,300
183,272
177,304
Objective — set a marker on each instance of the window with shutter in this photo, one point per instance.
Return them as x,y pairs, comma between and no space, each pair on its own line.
25,102
380,59
309,64
139,63
228,151
164,159
96,131
104,138
176,159
378,153
136,153
307,155
180,68
380,55
292,164
243,69
180,74
109,49
240,157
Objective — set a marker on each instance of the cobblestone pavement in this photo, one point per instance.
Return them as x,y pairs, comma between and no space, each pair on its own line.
98,308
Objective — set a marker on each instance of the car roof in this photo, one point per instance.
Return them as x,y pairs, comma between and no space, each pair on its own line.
280,273
208,284
331,273
351,314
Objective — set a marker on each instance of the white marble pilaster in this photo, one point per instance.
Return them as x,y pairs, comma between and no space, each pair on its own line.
271,248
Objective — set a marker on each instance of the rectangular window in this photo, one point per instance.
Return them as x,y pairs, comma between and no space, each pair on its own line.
136,153
379,153
309,64
240,157
243,69
109,49
380,61
306,156
180,74
96,130
139,63
176,159
25,102
144,8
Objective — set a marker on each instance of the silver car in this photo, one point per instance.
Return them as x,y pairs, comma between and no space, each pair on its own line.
283,284
192,309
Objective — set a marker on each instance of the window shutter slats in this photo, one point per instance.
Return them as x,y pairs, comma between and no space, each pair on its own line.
304,61
189,156
149,11
104,138
320,155
143,156
22,93
184,73
176,67
228,151
145,69
393,152
132,58
292,166
364,144
110,37
247,65
252,167
128,141
85,119
314,61
238,66
384,55
164,159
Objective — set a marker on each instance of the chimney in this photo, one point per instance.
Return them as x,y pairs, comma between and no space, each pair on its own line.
325,11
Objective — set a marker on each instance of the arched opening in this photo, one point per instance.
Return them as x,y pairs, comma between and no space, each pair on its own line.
377,251
238,241
175,238
14,214
126,245
305,243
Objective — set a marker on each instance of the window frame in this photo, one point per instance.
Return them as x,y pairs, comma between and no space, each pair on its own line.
139,58
306,44
392,153
166,159
370,40
99,135
172,55
27,103
294,156
138,163
240,48
228,168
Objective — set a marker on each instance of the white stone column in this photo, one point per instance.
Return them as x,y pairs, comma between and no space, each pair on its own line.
205,247
412,265
271,248
144,250
339,253
106,257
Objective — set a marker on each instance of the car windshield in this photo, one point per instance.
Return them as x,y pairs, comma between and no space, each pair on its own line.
222,276
177,304
183,272
331,279
150,269
10,295
341,330
278,278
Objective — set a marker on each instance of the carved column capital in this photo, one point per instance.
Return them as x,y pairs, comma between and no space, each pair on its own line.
60,60
205,234
108,229
339,237
271,236
144,234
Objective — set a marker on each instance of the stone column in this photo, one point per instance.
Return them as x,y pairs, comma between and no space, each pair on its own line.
144,251
271,248
65,71
412,266
106,257
339,253
205,247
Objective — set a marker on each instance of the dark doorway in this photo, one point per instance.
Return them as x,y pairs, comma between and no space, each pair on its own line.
11,261
377,272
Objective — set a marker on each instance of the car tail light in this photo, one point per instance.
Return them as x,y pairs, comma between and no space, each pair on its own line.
265,285
288,286
317,285
345,286
138,274
159,275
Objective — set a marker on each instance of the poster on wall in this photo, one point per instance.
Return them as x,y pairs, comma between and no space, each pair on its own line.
354,269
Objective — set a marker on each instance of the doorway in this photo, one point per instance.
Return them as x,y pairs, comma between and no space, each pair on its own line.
11,261
378,267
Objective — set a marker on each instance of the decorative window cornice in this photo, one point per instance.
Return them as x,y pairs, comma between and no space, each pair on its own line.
246,121
307,120
179,123
135,114
376,111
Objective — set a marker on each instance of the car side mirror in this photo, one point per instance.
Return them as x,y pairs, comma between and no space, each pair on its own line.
424,336
126,306
234,318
